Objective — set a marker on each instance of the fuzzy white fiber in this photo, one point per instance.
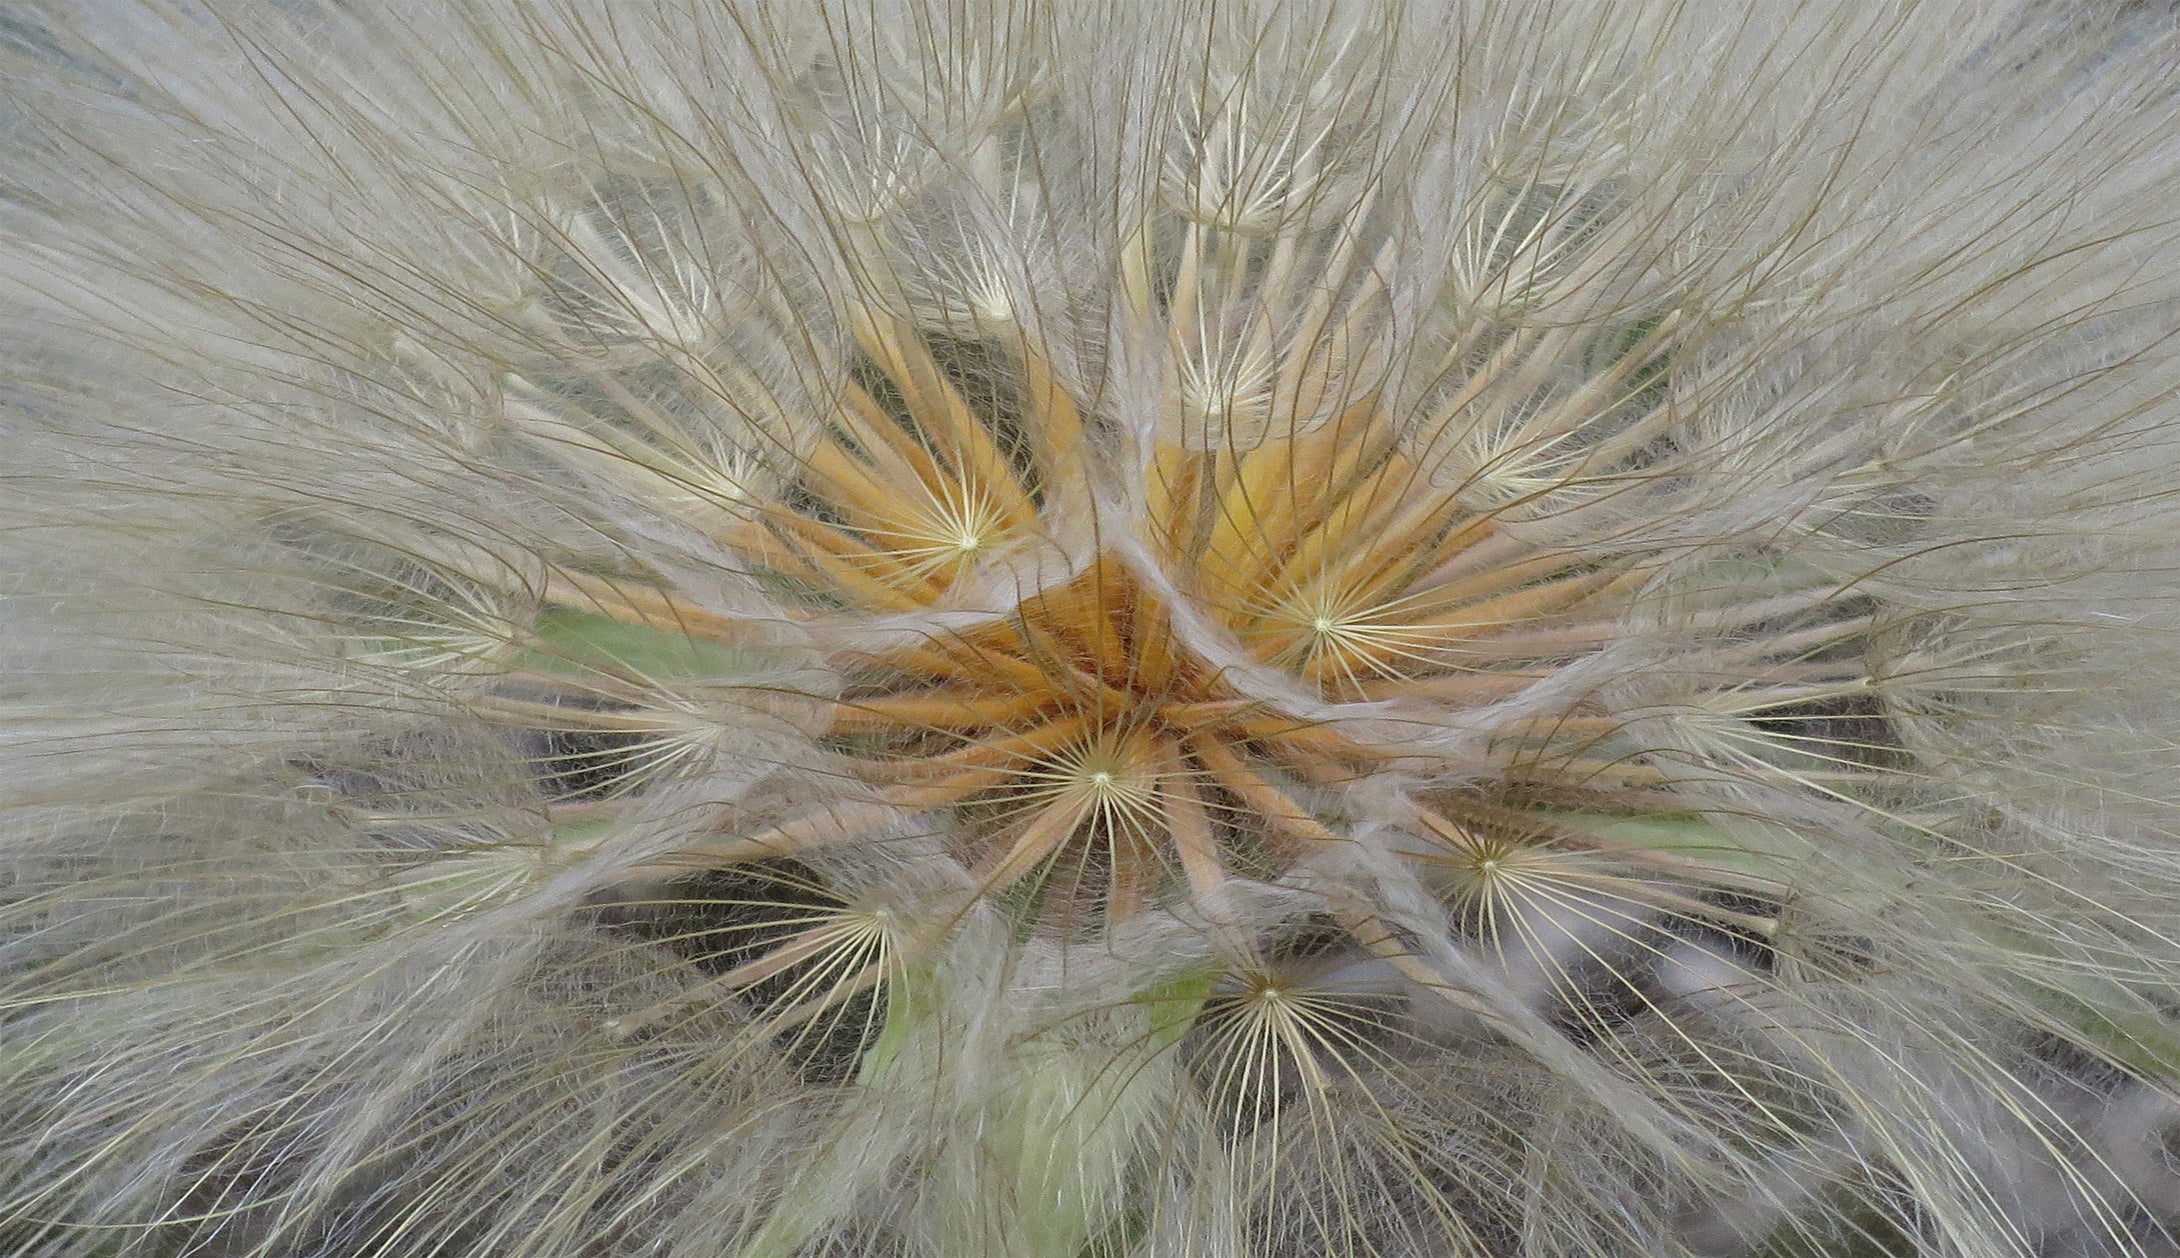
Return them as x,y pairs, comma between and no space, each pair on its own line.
1089,628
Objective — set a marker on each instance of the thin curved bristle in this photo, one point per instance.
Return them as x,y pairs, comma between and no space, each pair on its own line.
1102,630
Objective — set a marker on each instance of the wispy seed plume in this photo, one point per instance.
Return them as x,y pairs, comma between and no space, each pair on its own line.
1088,629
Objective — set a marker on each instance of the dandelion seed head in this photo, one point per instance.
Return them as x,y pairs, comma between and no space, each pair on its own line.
1017,628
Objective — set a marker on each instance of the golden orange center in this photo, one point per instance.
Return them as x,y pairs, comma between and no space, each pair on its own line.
1088,751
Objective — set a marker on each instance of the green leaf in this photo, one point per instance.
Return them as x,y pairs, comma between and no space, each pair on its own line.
911,998
585,836
1173,1006
573,642
2111,1019
1737,845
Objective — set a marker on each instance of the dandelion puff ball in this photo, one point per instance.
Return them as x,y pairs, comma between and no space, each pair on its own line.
1089,629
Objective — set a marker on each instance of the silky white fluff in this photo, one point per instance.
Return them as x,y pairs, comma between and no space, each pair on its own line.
397,399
